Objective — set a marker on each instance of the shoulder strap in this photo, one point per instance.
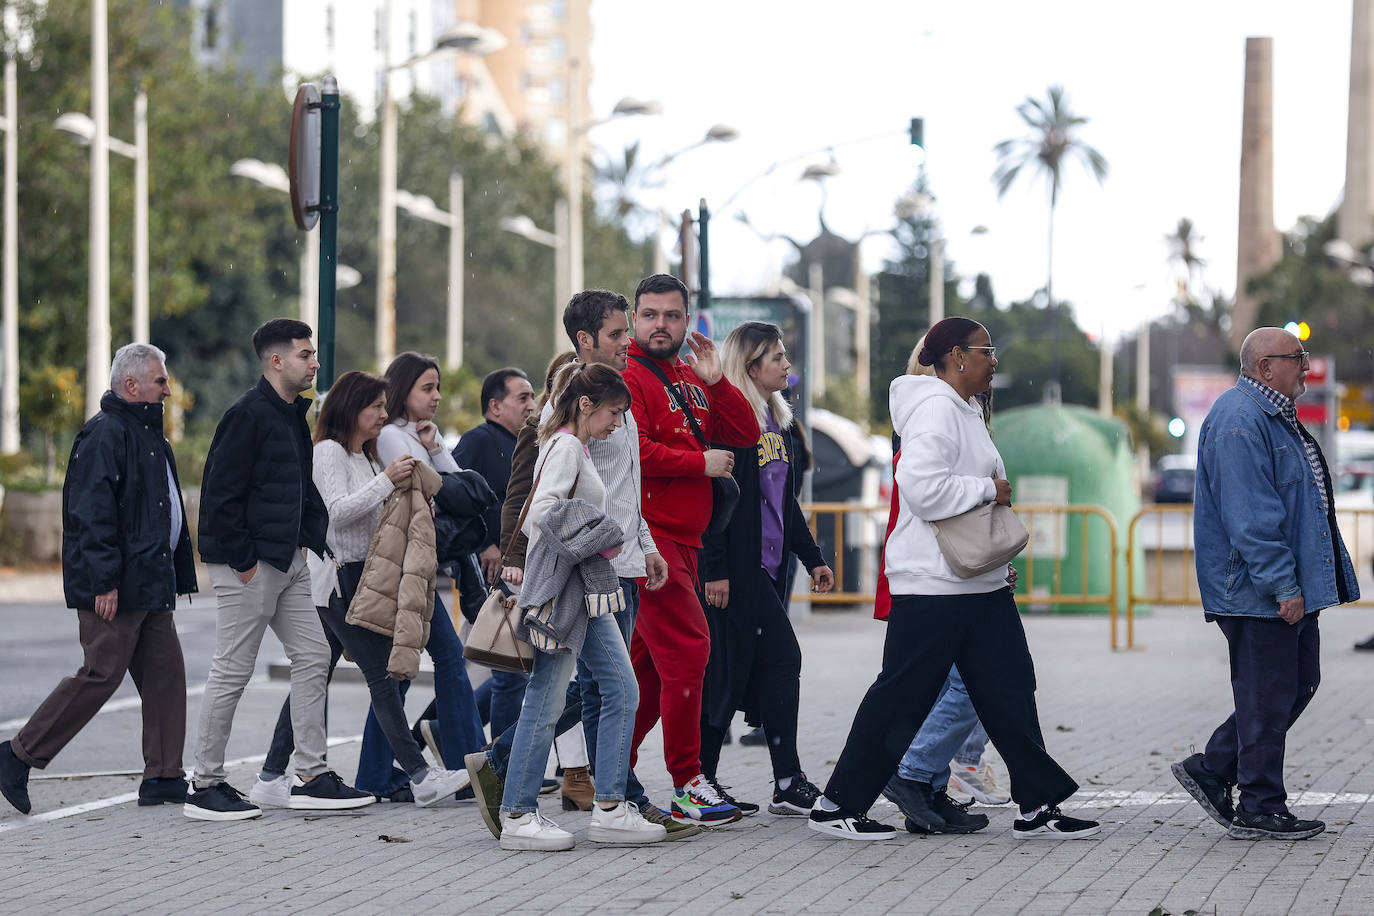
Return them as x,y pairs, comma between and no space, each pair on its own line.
676,395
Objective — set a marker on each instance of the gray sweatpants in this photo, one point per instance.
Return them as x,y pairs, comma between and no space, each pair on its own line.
282,601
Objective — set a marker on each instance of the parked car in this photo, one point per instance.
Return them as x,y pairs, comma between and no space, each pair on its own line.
1174,477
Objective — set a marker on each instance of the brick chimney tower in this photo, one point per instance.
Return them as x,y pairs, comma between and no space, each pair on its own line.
1356,221
1258,243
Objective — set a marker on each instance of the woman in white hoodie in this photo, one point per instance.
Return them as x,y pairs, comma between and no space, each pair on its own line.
948,466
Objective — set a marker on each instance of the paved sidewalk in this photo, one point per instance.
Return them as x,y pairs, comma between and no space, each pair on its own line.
1116,721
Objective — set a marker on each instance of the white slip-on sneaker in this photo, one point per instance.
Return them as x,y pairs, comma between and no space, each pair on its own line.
438,785
271,793
533,832
624,824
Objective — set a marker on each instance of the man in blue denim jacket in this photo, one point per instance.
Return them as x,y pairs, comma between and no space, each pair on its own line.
1269,558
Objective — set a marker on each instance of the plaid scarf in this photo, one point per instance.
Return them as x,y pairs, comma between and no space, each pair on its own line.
1289,411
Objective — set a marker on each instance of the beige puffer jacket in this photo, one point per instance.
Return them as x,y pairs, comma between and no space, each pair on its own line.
395,596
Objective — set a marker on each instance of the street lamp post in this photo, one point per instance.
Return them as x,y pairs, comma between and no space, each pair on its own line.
424,208
83,129
573,166
98,271
9,398
465,38
524,227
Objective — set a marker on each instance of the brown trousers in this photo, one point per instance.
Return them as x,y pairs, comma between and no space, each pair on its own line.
143,643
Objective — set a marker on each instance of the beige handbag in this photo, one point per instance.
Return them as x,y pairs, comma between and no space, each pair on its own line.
981,539
493,641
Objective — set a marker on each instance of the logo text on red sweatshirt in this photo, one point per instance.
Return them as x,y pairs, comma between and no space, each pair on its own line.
690,393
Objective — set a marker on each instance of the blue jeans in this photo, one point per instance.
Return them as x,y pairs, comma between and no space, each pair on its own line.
583,701
499,698
943,734
971,754
458,718
608,661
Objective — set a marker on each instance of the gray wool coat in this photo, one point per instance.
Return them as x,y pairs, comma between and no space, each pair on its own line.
567,568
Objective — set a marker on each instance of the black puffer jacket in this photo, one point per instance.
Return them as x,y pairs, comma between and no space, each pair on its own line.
117,513
258,499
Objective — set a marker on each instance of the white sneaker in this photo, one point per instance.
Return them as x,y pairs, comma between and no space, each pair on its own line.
624,824
534,832
980,782
438,785
272,793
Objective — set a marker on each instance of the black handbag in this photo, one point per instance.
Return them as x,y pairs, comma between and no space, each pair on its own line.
724,490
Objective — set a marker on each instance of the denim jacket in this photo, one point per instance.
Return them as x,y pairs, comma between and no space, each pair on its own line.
1260,533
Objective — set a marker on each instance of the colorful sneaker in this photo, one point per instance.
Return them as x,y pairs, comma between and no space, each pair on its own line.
220,802
488,787
841,825
798,798
745,808
623,825
1048,823
699,801
677,830
271,793
980,783
328,792
533,832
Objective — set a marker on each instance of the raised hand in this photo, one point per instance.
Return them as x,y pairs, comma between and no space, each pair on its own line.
705,358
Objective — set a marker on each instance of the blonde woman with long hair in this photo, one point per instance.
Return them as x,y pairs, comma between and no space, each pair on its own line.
755,662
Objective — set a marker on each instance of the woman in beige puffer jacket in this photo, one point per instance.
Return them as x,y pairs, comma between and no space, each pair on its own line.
395,596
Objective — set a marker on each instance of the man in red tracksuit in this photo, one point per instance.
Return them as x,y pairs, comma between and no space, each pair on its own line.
671,642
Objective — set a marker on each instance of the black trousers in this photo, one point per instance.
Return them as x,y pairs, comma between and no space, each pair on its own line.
982,634
1275,670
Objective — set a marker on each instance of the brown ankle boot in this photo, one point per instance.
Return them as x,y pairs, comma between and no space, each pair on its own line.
578,790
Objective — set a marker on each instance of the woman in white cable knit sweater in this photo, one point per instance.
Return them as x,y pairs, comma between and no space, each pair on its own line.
354,485
413,397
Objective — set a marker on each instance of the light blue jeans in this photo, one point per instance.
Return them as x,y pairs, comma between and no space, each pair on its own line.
945,732
608,661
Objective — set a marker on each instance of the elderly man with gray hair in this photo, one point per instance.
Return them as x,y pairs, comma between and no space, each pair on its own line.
1269,559
126,555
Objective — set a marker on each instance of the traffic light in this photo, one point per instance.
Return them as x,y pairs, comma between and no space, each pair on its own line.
918,132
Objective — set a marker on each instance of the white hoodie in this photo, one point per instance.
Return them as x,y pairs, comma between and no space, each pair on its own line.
946,468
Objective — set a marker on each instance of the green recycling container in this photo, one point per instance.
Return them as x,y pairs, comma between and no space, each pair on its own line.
1065,454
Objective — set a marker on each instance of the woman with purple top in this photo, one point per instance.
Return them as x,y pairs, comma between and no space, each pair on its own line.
755,662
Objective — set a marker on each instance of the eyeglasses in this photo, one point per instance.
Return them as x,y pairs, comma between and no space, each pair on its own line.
1302,356
991,351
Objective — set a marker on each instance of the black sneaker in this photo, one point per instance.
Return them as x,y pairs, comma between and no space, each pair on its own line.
916,800
841,825
549,786
1211,791
1366,646
956,816
798,798
1281,826
14,779
169,790
328,792
755,738
1050,824
402,796
220,802
745,808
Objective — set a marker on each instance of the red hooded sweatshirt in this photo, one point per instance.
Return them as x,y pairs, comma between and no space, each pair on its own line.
677,493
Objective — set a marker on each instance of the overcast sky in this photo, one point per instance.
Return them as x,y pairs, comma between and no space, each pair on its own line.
1161,84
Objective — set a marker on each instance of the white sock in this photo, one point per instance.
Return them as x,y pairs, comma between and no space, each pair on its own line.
784,784
825,804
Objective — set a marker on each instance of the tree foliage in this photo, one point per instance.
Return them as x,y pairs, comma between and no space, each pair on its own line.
224,254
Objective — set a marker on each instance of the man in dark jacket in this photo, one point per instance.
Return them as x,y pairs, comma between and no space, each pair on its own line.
259,513
126,555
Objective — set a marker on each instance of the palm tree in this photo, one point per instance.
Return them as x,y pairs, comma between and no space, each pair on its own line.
1183,243
1051,139
1049,143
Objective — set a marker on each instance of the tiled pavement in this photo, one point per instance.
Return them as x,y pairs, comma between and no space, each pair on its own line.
1115,720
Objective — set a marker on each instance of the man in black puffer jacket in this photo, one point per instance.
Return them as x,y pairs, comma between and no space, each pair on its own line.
126,555
259,513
